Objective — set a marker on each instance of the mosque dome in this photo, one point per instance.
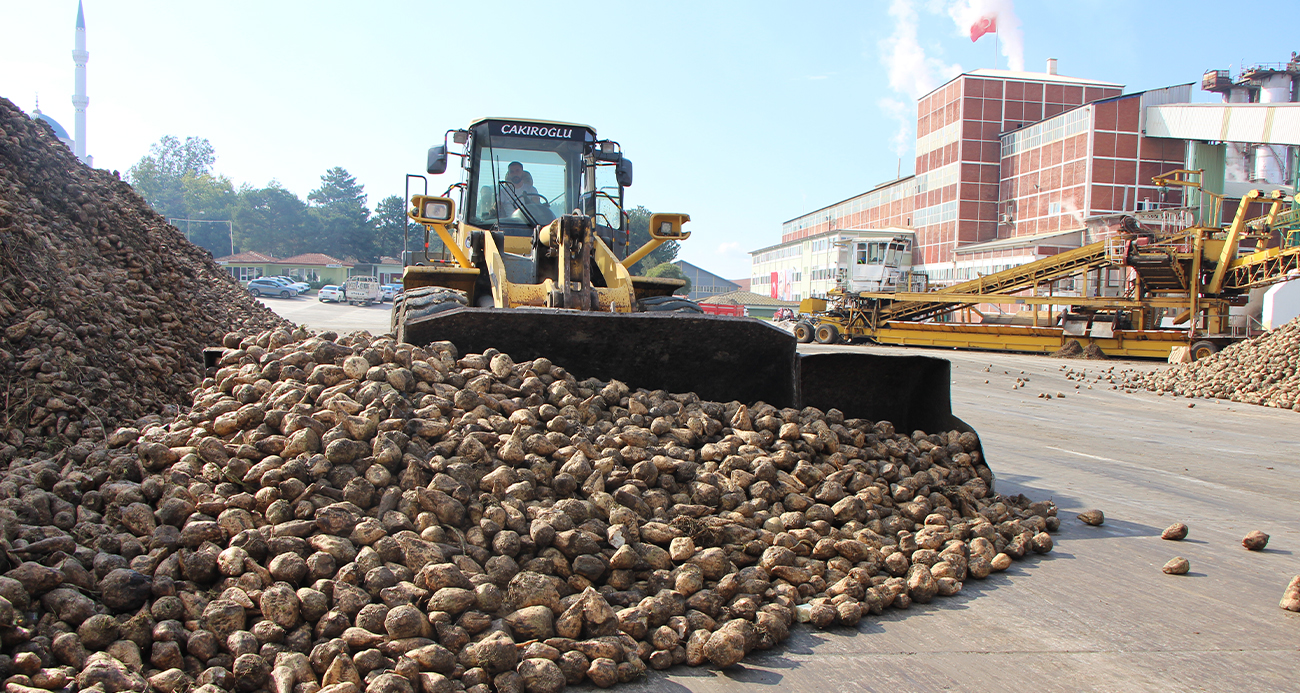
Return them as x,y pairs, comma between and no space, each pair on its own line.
58,129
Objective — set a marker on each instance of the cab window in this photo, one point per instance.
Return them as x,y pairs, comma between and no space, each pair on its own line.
544,179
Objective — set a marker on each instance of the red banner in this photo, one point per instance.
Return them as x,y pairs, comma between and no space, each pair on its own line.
776,283
985,25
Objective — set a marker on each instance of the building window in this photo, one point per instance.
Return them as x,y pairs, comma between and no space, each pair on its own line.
1054,208
1051,130
244,274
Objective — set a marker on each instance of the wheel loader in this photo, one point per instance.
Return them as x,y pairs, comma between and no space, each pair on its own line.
535,260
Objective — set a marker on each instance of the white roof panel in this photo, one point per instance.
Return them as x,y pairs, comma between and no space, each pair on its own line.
1255,123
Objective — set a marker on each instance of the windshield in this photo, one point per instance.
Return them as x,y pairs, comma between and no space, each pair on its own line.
523,180
895,257
876,253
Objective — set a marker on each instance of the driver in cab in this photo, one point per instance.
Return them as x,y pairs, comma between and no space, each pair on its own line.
521,189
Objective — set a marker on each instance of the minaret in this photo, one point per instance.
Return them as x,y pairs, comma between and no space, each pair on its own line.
79,98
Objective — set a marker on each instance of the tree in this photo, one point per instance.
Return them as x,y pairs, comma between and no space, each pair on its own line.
176,179
273,220
638,222
159,175
671,271
345,225
391,225
212,198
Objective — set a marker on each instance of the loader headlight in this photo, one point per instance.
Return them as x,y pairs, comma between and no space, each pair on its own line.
428,209
440,211
667,226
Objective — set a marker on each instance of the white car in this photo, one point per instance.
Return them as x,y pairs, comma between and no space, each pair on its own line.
330,292
388,291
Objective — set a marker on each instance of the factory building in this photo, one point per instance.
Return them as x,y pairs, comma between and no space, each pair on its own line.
703,282
1012,167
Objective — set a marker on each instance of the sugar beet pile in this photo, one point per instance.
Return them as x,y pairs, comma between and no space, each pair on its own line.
352,513
105,306
332,514
1264,370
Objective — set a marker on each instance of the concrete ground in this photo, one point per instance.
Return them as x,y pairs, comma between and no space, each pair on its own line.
1097,613
340,317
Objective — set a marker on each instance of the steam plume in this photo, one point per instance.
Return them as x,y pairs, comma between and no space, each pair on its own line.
911,72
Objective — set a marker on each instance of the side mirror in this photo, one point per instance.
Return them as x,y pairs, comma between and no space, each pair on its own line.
437,160
623,172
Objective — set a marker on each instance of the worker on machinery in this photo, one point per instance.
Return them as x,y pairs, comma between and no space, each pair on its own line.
516,191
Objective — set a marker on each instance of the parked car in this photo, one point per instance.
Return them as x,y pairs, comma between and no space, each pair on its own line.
301,287
269,287
361,290
388,291
282,281
330,292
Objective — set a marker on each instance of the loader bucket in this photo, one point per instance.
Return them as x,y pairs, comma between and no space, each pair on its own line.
720,358
911,392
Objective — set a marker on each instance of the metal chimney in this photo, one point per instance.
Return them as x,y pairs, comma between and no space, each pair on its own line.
1051,66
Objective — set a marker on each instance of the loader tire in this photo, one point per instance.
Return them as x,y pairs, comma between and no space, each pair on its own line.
1203,349
419,303
669,304
828,333
803,332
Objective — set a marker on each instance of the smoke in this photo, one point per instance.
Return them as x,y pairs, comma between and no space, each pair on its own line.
911,72
1068,207
897,111
1011,40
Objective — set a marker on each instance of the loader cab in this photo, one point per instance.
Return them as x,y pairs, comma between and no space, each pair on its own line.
876,264
525,174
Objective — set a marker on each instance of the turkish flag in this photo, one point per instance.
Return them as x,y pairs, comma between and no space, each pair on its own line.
985,25
776,283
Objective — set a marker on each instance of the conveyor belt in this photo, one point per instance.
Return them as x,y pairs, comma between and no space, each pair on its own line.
1008,281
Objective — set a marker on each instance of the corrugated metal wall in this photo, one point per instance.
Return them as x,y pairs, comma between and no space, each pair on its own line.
1253,123
1210,158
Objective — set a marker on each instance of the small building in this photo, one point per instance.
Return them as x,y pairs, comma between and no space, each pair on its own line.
388,270
247,265
308,267
315,267
756,306
704,282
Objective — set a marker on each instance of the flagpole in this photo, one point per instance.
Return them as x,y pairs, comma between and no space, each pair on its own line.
995,50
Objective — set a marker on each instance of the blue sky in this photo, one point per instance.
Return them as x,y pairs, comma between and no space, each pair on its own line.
743,115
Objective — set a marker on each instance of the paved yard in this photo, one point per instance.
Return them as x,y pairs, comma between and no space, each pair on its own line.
340,317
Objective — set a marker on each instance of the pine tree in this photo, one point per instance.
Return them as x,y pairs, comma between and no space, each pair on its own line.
346,229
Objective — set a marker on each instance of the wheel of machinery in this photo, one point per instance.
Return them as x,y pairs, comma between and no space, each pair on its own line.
669,304
1203,349
803,332
426,301
827,333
